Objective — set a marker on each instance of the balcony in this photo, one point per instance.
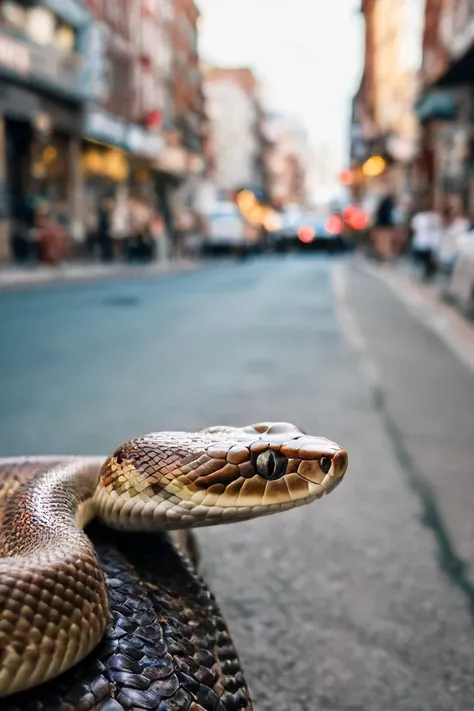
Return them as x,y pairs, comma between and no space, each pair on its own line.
44,67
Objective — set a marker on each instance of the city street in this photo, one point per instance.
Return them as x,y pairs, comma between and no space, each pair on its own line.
360,602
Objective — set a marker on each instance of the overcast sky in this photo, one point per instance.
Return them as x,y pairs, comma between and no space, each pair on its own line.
307,54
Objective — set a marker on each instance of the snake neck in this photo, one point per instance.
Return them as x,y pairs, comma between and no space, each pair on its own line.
49,507
53,597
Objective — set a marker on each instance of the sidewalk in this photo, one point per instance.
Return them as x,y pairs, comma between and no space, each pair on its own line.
13,277
426,303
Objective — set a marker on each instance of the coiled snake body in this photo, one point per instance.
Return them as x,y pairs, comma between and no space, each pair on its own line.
54,603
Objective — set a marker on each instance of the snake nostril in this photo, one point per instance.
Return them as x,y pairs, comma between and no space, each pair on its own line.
340,461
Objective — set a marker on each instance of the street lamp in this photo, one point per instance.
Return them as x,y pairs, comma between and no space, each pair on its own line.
374,167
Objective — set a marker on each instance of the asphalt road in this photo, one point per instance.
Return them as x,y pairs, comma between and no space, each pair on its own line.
361,602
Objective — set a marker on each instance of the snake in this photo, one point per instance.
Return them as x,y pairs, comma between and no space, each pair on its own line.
54,600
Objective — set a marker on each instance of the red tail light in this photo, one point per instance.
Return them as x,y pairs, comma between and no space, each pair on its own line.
306,234
334,225
355,218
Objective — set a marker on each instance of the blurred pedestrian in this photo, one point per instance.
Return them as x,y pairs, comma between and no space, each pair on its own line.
426,230
454,225
104,236
48,235
385,227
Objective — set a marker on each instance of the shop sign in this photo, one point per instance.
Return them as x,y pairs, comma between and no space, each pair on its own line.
131,137
105,127
143,143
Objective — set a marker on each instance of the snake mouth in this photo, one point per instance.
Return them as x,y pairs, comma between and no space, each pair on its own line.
335,484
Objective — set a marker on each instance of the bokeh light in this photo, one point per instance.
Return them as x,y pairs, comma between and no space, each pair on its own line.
334,225
374,167
306,234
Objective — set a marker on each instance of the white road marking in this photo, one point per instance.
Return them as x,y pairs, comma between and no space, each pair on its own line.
351,327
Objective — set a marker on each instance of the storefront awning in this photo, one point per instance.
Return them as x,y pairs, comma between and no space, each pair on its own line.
113,130
70,10
435,106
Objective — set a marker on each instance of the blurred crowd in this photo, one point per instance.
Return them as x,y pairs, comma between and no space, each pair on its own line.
438,241
435,237
432,237
112,230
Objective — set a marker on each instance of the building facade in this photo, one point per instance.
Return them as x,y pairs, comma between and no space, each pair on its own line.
106,96
235,128
414,105
42,90
384,123
286,160
445,107
188,137
122,130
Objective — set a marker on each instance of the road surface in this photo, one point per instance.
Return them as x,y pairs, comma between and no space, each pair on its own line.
361,602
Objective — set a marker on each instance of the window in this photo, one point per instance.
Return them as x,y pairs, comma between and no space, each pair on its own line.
14,14
40,25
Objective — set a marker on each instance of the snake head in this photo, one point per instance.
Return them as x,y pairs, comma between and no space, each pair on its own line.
217,475
284,453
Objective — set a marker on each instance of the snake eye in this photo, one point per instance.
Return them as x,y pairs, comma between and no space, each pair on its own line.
271,465
325,464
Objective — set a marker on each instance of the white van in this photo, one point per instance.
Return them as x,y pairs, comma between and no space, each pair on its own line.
226,228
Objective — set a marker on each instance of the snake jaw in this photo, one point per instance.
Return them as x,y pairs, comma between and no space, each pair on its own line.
217,475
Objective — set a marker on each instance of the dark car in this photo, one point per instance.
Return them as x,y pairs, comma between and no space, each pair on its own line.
310,233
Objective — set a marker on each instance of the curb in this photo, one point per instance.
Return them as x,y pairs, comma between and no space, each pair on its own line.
72,275
429,308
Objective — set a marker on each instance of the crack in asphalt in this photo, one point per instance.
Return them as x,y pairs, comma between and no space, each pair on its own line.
449,562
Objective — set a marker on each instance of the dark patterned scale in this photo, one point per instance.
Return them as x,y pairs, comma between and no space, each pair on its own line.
167,649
